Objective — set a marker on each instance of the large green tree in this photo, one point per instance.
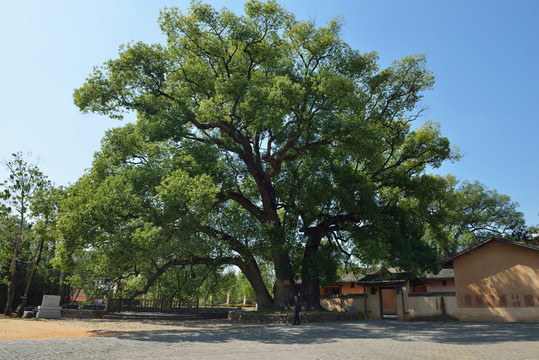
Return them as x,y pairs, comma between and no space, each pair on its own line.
307,139
469,212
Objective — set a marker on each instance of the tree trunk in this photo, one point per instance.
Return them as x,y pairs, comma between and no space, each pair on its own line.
310,279
75,297
11,285
252,272
37,260
13,275
284,287
247,265
65,290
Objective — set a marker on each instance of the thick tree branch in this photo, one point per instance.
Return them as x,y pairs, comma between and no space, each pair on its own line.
232,242
160,270
244,203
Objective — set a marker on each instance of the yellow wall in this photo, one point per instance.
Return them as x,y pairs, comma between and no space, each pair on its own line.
434,285
343,303
421,308
416,288
498,281
348,289
330,290
430,307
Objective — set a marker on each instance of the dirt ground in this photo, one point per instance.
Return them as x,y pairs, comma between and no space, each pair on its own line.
17,328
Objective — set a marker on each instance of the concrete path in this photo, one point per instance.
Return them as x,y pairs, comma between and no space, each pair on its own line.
351,340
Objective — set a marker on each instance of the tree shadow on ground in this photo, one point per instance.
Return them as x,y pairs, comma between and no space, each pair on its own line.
457,333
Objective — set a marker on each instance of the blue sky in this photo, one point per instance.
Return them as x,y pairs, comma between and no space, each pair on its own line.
484,55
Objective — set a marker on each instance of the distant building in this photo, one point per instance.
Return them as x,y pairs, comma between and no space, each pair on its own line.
430,282
498,280
379,295
495,280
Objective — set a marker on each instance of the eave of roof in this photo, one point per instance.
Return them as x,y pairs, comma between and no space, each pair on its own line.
385,278
382,282
448,262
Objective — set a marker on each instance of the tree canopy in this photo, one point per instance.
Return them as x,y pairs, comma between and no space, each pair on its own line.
469,213
259,137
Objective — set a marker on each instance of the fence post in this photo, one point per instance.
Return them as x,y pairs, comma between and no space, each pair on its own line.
403,290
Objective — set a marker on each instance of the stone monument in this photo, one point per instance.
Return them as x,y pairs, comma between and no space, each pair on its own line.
50,308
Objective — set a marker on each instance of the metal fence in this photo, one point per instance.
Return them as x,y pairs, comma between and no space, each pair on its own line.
186,307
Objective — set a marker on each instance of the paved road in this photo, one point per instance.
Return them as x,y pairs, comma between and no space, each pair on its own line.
350,340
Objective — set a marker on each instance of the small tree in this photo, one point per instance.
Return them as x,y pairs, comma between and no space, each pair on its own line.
24,181
44,210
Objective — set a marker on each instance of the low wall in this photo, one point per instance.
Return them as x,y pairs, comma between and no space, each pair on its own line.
434,306
82,314
254,317
213,315
342,303
431,307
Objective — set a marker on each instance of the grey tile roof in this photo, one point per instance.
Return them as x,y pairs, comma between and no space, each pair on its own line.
443,274
350,277
391,276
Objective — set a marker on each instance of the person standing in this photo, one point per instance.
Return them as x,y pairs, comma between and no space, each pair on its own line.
297,309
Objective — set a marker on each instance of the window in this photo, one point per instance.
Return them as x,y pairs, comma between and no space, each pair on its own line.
444,282
352,285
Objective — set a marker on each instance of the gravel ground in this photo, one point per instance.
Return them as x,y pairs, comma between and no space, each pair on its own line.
137,326
16,328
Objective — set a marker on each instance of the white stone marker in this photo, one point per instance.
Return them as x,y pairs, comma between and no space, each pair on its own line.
50,307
